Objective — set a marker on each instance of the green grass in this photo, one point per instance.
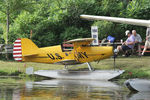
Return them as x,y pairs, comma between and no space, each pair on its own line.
135,67
12,66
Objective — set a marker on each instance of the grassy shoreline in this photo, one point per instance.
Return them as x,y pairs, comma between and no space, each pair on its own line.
135,67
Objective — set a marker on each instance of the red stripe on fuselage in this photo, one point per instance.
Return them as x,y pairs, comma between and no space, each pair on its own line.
18,57
17,53
17,46
17,42
17,50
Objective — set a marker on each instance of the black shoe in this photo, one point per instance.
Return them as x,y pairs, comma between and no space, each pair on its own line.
127,55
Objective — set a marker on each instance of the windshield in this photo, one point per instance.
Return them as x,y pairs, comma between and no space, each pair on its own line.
66,47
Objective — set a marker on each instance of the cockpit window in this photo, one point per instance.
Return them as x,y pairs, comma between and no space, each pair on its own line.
66,47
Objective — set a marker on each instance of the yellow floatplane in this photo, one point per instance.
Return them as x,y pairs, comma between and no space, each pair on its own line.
81,52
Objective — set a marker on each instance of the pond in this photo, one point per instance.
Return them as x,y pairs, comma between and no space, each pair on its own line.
18,89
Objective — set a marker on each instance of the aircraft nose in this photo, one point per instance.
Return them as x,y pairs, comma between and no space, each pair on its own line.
110,51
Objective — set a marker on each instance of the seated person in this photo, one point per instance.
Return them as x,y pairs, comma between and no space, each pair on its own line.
128,44
110,39
138,40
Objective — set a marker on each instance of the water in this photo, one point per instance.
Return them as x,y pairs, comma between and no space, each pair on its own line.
17,89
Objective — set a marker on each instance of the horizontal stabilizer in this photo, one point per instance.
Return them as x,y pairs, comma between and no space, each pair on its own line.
33,54
138,22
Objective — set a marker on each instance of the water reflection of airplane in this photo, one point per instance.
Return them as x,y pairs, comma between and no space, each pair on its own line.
83,89
89,83
77,89
69,90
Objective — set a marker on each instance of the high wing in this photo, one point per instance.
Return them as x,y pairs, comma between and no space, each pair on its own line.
78,42
138,22
87,40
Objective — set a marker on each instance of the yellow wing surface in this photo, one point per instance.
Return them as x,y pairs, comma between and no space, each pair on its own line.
80,42
26,50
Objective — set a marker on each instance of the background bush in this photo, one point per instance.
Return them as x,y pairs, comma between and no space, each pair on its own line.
53,21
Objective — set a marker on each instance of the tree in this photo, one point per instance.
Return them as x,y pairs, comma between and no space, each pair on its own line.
74,32
9,7
59,20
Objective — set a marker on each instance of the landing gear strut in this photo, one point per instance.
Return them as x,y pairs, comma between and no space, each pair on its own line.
90,67
66,67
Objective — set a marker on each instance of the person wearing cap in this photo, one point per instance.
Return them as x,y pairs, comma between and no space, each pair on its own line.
138,40
128,44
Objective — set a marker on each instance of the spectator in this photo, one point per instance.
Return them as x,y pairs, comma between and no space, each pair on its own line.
128,44
138,40
147,43
110,39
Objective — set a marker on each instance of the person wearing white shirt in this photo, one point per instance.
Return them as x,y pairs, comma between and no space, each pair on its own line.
147,43
138,40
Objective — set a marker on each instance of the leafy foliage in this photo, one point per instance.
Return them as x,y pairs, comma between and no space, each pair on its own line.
11,8
53,21
74,32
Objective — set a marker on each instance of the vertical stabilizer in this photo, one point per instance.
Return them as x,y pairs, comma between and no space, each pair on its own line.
24,47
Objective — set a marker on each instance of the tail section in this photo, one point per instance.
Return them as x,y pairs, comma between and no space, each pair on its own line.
22,48
17,50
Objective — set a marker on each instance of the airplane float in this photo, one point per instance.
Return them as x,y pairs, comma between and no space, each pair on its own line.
82,52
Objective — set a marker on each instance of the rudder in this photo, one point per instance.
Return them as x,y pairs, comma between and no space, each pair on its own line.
24,47
17,50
